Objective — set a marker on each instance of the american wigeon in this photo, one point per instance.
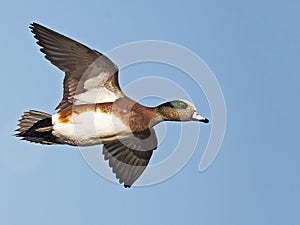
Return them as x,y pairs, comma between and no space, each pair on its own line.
94,110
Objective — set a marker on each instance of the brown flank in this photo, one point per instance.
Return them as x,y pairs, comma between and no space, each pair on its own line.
134,115
66,115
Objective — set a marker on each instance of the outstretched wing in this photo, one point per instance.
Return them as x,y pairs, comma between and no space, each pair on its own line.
129,157
90,77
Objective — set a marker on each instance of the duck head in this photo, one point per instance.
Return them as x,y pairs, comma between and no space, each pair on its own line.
179,110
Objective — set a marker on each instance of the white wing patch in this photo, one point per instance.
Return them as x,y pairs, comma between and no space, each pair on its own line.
96,81
95,93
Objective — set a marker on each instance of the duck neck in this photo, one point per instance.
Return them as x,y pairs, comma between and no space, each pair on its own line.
167,114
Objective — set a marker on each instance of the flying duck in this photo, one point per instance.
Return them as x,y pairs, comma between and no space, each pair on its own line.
94,110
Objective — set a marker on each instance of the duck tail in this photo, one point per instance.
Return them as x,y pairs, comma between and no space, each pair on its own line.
35,126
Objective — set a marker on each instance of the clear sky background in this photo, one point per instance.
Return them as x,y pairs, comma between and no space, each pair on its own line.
253,47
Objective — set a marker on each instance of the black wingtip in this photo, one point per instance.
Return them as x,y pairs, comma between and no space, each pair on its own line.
127,186
32,25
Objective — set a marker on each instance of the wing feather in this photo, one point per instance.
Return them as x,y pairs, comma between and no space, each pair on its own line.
82,66
129,157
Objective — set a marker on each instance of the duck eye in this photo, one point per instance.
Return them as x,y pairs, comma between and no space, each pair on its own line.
179,105
175,104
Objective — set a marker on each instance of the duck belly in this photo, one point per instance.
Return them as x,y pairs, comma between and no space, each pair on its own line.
89,128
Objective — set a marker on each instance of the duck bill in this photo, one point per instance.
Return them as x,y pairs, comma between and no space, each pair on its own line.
197,117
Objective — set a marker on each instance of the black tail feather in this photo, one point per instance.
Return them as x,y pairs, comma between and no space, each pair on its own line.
36,127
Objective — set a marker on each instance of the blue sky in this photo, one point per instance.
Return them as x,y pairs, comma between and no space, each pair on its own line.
253,48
